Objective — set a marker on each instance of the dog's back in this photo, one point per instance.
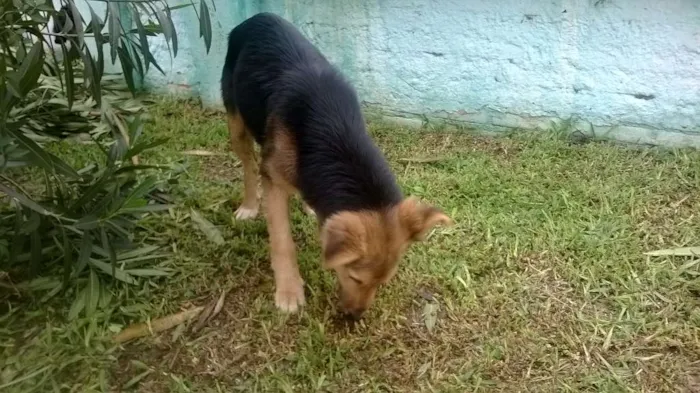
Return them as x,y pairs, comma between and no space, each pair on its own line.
273,72
261,50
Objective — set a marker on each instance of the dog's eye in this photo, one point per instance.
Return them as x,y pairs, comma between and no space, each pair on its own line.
356,280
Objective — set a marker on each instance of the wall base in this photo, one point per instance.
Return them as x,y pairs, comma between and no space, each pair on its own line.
494,122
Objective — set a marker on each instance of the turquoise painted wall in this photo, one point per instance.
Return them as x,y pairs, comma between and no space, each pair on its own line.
622,69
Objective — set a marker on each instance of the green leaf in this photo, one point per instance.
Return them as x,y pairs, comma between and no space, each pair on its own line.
143,188
209,230
114,28
50,294
174,33
134,51
153,61
39,284
3,75
27,256
105,297
147,272
145,209
138,252
17,245
117,151
78,304
93,191
131,261
111,270
96,24
110,249
41,157
143,38
91,75
177,7
205,24
682,252
70,80
92,296
77,22
165,25
135,130
114,224
137,149
88,222
24,200
32,223
63,168
67,256
85,252
133,382
127,68
35,252
30,70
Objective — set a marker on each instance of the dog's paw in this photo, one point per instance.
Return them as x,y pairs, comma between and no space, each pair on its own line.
246,213
289,299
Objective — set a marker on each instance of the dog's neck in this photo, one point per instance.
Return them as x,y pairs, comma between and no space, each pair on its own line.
349,174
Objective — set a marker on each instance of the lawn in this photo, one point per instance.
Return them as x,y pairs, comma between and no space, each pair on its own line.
542,284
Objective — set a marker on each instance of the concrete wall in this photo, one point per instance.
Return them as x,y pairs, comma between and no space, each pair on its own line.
622,69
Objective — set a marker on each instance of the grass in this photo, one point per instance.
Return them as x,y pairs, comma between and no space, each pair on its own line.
541,286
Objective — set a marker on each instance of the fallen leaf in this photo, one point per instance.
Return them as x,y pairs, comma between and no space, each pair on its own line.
682,251
157,325
211,311
430,311
209,230
201,153
422,160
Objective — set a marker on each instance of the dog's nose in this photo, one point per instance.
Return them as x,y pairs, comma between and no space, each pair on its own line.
355,314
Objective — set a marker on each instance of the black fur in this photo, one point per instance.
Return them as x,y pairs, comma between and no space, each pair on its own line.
273,71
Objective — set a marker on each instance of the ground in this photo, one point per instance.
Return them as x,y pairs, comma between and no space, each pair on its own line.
541,285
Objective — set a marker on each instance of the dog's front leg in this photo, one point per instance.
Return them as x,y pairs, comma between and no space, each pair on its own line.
289,286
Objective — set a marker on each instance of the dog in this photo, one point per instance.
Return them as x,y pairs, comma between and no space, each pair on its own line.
280,92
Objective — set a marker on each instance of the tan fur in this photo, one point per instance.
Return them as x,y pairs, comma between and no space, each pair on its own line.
280,156
362,247
243,146
279,183
289,286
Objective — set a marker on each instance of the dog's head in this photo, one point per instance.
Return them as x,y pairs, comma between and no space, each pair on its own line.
364,247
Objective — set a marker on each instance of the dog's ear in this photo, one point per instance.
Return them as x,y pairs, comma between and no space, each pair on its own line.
417,219
342,240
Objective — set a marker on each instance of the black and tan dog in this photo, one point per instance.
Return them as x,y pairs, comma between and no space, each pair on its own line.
282,93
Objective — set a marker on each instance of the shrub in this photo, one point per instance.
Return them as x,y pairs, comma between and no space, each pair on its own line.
62,219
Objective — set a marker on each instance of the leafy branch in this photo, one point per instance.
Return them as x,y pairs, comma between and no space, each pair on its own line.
58,218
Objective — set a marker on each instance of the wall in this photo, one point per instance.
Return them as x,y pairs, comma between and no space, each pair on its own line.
622,69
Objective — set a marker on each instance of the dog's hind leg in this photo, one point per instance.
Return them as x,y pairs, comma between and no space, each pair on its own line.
243,145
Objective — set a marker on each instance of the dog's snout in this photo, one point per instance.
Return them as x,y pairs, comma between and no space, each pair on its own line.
355,313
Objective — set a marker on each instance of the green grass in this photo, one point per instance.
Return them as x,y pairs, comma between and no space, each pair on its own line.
540,286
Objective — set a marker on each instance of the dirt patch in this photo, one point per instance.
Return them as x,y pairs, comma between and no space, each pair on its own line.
540,337
238,343
444,145
222,168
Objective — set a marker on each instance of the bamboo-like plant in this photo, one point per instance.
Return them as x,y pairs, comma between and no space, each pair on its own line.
57,219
